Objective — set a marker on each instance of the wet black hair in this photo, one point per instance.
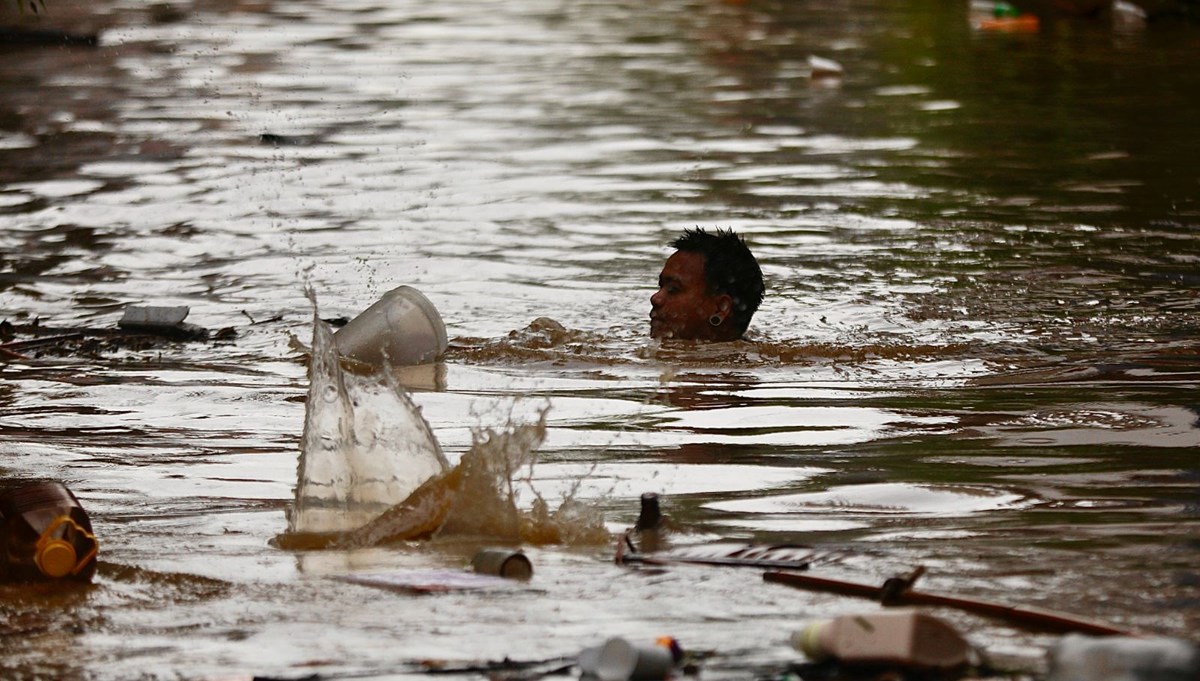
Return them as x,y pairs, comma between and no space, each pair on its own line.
729,268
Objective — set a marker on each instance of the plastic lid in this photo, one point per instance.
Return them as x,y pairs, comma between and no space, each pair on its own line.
807,640
56,558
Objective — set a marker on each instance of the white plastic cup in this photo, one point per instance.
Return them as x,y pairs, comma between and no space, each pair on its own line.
620,660
402,329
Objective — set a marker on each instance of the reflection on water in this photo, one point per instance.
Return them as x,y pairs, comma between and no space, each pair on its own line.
888,498
977,350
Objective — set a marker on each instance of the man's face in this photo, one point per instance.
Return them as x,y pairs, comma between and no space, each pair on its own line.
682,306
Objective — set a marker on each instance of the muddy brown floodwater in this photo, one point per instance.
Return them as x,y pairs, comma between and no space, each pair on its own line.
978,351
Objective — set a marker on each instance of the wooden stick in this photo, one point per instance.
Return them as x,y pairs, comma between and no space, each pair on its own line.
41,340
1045,620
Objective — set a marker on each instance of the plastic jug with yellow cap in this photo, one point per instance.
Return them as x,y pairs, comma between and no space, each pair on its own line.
44,533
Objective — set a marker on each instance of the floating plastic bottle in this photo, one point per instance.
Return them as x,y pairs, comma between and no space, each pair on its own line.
901,638
1123,658
44,534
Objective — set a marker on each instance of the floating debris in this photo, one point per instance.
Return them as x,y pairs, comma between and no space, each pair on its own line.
821,68
619,659
898,591
167,321
904,638
502,563
44,533
141,328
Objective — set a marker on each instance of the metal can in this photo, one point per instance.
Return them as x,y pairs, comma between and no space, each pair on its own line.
505,563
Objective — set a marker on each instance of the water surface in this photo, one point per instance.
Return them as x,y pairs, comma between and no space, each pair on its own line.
977,352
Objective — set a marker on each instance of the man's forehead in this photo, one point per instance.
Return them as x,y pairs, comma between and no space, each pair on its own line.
684,266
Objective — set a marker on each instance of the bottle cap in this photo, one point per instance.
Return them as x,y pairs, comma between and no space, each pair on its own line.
55,558
56,553
808,640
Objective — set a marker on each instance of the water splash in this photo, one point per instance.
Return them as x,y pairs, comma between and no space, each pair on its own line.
371,471
365,446
479,499
488,503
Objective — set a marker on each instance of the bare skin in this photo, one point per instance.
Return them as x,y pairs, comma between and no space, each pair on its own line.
684,308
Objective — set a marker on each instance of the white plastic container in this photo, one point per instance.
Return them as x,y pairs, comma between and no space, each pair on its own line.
904,638
402,329
1122,658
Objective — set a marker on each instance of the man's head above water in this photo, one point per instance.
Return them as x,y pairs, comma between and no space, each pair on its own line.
709,288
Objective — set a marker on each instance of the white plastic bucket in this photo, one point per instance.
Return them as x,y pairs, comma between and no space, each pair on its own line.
402,329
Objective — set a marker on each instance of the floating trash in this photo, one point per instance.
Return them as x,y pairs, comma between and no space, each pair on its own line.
903,638
1076,657
44,534
621,660
502,563
403,328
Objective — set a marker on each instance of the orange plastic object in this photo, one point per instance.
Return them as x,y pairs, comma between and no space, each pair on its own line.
1026,23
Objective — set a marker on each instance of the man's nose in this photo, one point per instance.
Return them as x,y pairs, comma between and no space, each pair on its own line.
656,298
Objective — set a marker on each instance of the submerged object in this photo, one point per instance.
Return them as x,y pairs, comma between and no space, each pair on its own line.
44,534
904,638
402,328
1123,658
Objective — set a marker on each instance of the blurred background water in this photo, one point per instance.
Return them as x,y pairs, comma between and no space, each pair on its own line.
977,352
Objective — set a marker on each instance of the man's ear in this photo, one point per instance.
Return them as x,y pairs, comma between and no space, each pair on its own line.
725,304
